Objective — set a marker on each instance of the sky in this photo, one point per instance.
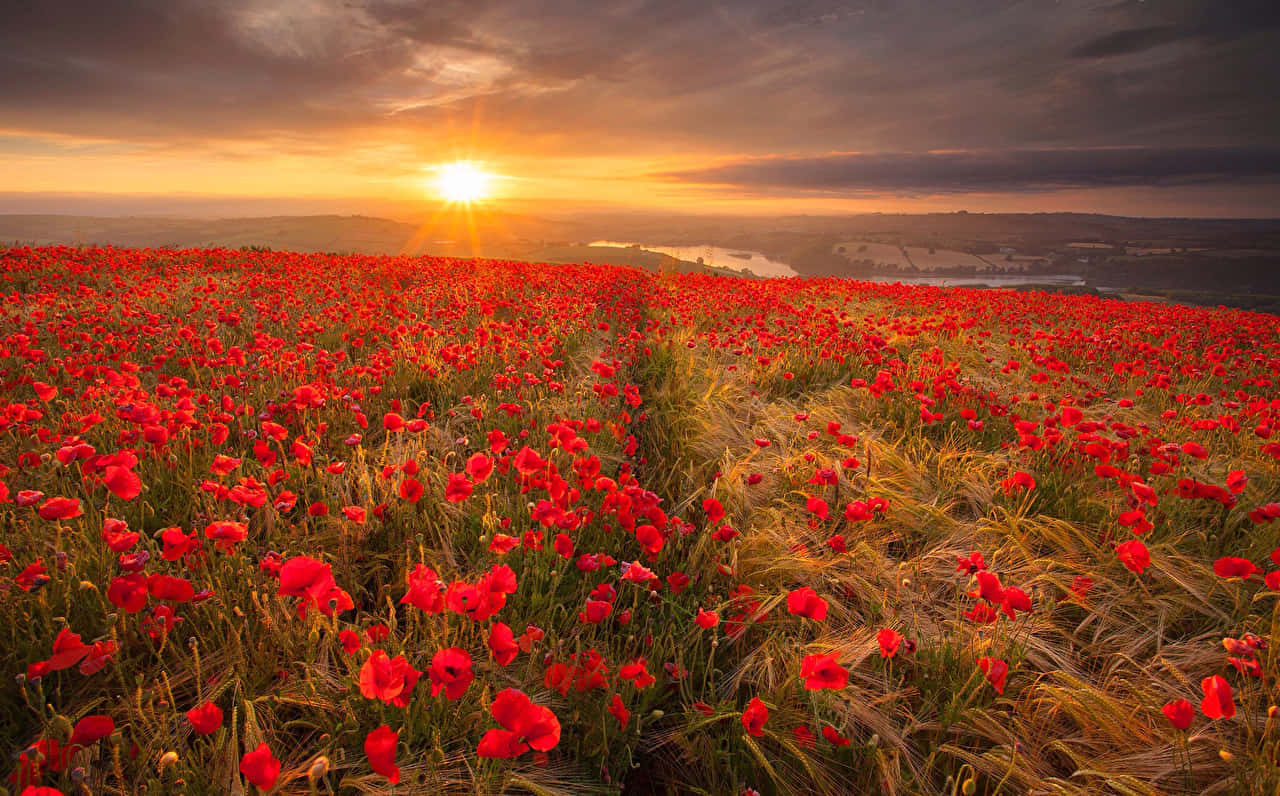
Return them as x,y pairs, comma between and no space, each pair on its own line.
1136,107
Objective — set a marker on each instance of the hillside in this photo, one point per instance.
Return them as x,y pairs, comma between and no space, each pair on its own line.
320,523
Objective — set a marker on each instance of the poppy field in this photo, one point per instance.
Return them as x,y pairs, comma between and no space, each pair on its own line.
275,522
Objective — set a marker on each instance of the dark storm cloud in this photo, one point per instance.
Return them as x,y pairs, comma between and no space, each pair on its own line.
992,172
647,77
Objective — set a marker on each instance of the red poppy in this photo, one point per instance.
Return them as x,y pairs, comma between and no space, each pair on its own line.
380,748
350,641
128,592
996,670
426,591
806,602
226,534
525,725
451,672
411,490
122,482
832,735
68,650
170,588
1218,698
706,619
754,717
889,640
389,679
458,488
1134,555
502,642
60,508
638,672
205,719
1233,567
619,711
823,672
479,467
312,581
1180,713
260,767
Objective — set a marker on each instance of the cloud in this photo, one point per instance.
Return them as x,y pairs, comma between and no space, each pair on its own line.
643,78
1126,42
990,171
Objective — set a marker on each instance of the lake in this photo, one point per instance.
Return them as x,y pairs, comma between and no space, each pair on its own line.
735,259
760,265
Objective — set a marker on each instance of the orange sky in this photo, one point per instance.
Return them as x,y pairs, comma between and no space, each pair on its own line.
752,106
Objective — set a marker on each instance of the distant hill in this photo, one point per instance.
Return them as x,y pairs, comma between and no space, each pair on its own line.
327,233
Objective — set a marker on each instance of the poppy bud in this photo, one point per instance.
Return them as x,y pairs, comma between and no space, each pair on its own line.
318,769
969,787
61,726
166,760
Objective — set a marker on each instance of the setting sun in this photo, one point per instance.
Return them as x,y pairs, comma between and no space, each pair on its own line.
462,182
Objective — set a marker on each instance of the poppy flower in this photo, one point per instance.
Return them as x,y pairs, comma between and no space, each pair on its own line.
818,508
1134,555
479,467
889,640
1218,698
594,612
754,717
804,736
619,711
525,726
60,508
996,670
260,767
350,641
713,510
833,736
451,672
380,748
638,672
806,602
226,534
389,679
1180,713
170,588
411,490
91,729
68,650
823,672
99,655
128,592
1233,567
706,619
122,482
502,642
177,544
205,719
458,488
426,591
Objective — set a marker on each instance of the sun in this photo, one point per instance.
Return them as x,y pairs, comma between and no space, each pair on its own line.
462,181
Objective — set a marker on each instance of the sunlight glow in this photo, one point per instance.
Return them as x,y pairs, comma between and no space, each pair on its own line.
462,181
